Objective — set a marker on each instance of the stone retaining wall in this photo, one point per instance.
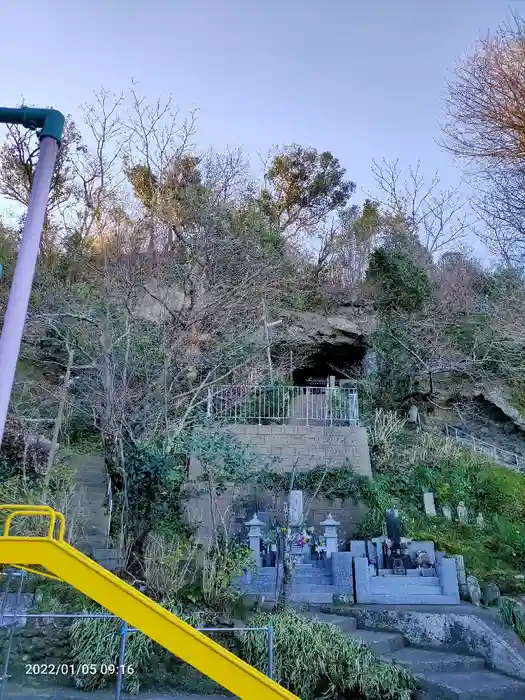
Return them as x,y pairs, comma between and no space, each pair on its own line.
305,447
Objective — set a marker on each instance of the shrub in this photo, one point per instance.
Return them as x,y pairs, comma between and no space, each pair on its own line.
512,616
97,642
314,659
58,596
221,565
386,427
169,564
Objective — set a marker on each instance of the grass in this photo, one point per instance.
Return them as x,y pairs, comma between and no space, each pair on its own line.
453,474
315,659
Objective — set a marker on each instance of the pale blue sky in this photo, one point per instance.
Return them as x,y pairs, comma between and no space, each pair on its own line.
363,78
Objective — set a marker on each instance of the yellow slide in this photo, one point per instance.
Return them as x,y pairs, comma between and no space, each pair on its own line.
68,564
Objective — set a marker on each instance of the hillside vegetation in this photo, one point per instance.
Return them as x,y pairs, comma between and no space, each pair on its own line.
162,267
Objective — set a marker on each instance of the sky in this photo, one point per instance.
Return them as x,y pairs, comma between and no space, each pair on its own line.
364,79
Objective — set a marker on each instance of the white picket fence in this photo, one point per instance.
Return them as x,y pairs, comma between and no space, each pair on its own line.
284,404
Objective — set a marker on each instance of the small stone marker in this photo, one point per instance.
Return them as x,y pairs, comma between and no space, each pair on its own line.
462,513
474,591
491,593
480,521
428,502
447,512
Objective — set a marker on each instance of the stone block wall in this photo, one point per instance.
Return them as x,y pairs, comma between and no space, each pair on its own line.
38,645
307,445
300,445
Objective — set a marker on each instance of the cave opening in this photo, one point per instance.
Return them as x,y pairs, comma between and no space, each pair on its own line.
344,362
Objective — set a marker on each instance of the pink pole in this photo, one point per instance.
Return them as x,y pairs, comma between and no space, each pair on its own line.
16,312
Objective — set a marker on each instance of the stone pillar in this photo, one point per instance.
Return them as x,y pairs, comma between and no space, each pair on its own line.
254,537
295,508
461,575
330,535
447,574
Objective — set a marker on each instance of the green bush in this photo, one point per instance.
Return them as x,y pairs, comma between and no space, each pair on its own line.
512,617
314,659
97,642
58,596
399,280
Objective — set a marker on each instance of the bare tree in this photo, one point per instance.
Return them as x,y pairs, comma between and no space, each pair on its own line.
434,214
485,126
486,98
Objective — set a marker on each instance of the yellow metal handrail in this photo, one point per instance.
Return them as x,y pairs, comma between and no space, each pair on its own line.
33,512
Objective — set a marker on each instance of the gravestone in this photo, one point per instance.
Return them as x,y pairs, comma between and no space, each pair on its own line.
462,513
447,512
480,521
491,593
395,559
474,591
428,501
295,508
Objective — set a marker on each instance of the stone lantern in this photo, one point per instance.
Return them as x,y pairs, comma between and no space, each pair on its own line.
330,535
254,537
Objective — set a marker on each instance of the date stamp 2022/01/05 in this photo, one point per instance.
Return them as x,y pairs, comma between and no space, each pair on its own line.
78,669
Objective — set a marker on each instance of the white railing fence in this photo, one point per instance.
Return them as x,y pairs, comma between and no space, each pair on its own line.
284,404
504,457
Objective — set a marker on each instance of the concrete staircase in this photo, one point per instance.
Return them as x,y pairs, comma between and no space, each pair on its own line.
442,675
90,491
311,583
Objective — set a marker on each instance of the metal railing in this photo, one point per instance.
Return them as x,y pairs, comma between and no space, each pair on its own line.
284,404
119,670
506,458
109,502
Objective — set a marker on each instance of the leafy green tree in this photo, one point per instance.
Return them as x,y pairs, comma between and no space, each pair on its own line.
400,282
302,187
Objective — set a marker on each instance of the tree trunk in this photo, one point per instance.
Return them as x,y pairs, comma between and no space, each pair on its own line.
58,420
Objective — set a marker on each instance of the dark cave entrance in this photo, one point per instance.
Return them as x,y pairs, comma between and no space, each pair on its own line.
344,362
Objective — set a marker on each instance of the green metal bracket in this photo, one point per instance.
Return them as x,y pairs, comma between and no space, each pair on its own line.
49,122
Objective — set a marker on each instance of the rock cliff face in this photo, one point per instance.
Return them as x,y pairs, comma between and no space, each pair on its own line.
345,327
340,336
323,343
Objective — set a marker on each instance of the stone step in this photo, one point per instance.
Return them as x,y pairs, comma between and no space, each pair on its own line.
270,573
296,597
469,685
321,588
412,590
105,553
398,598
344,623
379,642
433,661
410,573
307,580
411,581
